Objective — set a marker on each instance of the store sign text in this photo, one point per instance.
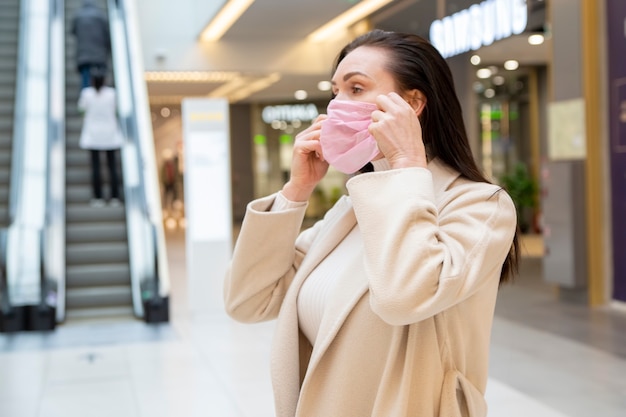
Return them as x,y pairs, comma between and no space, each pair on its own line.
289,113
480,25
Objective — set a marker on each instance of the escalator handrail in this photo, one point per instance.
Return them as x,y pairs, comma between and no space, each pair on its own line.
144,218
18,114
53,233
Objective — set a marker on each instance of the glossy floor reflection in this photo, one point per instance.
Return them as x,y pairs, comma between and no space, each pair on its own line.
549,359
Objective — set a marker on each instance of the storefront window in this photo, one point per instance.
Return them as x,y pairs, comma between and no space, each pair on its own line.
504,117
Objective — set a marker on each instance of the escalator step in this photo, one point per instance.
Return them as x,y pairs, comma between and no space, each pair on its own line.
96,232
97,275
98,253
99,313
78,213
108,296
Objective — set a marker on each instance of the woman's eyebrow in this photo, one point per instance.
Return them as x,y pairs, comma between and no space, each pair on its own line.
350,75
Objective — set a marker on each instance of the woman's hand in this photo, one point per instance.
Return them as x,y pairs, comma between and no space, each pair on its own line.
397,130
308,166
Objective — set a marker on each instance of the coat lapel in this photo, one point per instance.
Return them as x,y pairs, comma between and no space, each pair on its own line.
285,363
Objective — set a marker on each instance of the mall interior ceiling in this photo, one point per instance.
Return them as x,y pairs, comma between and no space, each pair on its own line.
269,20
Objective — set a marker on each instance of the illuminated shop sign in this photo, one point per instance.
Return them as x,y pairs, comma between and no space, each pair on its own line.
289,113
480,25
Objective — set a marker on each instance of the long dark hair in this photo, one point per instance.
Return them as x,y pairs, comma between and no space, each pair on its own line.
97,81
417,65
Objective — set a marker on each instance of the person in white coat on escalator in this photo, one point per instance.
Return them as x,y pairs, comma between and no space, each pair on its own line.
101,132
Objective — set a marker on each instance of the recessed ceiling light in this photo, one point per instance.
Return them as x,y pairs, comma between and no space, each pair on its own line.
511,65
483,73
498,80
324,85
536,39
300,95
475,60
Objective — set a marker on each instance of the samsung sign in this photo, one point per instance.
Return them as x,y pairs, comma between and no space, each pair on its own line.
480,25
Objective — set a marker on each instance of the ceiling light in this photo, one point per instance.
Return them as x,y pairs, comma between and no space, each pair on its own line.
190,76
536,39
346,19
324,85
254,86
490,93
300,95
227,88
483,73
224,19
511,65
475,60
498,80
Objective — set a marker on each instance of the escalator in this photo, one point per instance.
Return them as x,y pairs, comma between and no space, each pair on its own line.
98,281
115,260
9,35
60,257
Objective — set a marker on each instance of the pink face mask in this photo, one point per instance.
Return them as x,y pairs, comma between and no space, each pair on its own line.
346,143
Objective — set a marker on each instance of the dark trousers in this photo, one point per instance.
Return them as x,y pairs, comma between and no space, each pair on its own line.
85,73
96,178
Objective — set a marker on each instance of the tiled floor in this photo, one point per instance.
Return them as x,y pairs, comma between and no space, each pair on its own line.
549,359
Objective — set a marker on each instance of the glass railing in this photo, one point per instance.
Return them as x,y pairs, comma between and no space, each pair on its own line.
53,239
146,240
32,248
26,306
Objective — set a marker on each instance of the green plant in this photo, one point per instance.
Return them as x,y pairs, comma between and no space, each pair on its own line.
523,189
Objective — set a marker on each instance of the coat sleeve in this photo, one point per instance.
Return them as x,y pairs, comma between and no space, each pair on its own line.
266,257
423,257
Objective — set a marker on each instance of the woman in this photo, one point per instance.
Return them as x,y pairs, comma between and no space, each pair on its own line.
385,306
101,133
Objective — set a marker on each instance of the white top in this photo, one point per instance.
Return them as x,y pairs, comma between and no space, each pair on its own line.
317,289
101,130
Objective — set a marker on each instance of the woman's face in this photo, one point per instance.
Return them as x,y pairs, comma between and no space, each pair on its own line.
361,75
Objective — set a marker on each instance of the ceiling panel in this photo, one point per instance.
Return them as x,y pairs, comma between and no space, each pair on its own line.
268,24
276,19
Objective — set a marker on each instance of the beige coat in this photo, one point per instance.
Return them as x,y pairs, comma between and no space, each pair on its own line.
407,330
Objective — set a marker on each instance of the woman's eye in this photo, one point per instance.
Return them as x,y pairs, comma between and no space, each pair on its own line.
357,90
